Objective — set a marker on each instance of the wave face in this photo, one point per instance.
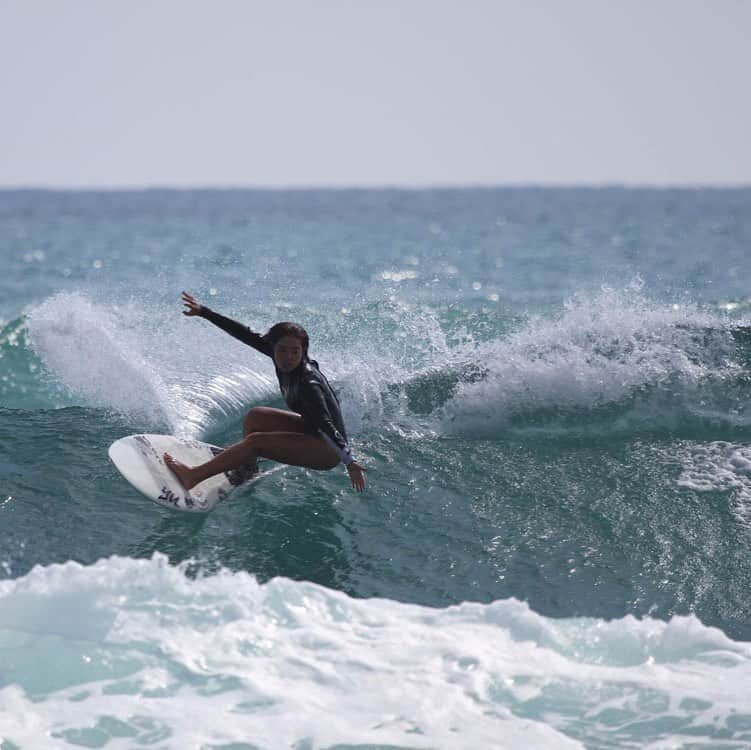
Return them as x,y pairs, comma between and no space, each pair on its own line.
129,652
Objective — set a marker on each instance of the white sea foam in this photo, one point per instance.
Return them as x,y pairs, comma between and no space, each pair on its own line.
127,652
598,350
720,466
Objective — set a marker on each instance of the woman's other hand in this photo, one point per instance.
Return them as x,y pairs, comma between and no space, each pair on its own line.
357,475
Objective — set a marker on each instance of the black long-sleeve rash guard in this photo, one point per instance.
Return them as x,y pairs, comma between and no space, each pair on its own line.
305,389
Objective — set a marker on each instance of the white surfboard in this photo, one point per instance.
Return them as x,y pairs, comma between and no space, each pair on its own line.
139,458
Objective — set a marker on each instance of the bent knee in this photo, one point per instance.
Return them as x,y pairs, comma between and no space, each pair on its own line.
254,439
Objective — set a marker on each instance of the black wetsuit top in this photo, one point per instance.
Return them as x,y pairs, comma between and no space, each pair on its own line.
305,389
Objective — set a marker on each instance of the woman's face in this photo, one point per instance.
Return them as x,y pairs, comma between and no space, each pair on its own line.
287,353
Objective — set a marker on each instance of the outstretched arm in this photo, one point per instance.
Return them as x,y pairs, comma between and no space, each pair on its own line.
232,327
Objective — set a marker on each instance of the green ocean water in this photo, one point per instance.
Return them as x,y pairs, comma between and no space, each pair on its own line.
549,388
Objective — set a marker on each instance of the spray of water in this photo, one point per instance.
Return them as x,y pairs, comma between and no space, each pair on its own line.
599,349
395,364
142,364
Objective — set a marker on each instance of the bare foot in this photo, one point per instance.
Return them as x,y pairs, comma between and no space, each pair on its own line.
181,471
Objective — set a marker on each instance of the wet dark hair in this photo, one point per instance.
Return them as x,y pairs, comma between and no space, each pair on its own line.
280,330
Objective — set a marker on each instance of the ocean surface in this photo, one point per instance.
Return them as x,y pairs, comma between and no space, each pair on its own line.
550,389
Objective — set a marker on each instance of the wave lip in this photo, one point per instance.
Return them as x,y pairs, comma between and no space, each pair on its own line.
599,350
134,648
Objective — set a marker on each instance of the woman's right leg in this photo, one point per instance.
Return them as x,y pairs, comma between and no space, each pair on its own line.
240,459
291,448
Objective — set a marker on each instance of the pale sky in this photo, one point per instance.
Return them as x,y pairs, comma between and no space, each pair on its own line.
110,93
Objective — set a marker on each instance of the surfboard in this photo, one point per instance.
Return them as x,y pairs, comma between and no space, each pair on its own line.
139,459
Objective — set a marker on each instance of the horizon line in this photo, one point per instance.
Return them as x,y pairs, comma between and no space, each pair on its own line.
362,187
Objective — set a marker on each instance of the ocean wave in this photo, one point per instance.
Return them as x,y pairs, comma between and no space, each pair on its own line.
127,651
654,362
614,361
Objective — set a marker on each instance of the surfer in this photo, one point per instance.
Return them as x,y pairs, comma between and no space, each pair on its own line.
311,435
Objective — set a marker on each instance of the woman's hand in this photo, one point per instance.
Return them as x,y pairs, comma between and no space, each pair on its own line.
192,304
356,475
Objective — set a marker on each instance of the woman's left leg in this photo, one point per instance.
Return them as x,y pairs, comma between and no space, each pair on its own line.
268,419
296,449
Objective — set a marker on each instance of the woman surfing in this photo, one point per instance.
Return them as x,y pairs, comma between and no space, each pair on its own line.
312,434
